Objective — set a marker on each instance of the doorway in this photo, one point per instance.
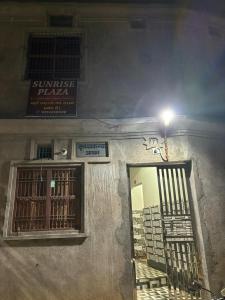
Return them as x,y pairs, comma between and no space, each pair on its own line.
164,247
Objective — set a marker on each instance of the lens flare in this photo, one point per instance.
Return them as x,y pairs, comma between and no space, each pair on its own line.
167,116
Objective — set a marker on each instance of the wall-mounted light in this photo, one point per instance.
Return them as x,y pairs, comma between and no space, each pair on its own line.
166,117
153,143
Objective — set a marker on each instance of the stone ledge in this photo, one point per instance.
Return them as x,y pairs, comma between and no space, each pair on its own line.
45,236
111,128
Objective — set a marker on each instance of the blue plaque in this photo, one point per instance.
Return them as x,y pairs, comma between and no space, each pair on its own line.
92,149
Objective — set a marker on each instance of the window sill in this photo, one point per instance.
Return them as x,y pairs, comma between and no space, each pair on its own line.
45,236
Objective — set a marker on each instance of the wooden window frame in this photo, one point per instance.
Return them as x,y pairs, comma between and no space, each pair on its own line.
9,234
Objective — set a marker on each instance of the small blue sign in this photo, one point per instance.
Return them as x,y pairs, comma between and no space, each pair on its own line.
92,149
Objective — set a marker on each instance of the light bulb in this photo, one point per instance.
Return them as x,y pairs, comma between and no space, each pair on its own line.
167,116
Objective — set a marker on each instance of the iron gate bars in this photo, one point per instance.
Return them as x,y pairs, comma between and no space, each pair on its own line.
179,243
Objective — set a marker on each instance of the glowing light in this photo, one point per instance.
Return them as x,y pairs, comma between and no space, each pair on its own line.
167,116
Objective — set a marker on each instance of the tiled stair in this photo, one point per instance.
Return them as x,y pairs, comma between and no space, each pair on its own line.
163,293
147,277
148,283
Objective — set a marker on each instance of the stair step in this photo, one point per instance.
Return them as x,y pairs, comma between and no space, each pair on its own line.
164,293
148,283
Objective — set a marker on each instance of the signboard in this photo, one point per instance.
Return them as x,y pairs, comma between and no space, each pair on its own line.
52,98
92,149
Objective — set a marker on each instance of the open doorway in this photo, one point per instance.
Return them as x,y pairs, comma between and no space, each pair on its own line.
163,240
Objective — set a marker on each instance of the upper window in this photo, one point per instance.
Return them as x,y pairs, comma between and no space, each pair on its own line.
47,198
53,57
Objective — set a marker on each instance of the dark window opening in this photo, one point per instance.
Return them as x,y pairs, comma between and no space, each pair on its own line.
53,57
47,199
44,151
61,21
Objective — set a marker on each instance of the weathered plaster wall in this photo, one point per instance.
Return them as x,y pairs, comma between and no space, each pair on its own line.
209,173
175,59
100,268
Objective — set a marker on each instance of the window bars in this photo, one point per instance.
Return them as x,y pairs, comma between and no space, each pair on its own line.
53,57
44,152
47,199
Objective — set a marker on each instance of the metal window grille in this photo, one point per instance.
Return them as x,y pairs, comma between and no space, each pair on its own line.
47,199
44,151
53,57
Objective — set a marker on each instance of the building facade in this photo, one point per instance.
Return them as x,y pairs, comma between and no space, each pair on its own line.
109,69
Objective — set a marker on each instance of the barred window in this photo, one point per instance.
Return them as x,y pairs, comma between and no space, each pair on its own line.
53,57
47,198
44,152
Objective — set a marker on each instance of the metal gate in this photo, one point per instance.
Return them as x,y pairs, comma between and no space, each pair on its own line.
179,242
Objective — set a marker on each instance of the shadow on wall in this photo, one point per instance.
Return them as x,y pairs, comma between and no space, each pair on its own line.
39,274
27,276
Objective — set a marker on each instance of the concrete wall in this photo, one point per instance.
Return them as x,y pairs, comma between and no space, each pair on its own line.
208,173
175,59
99,267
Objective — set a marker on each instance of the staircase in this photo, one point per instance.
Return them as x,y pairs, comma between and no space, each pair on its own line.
147,277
